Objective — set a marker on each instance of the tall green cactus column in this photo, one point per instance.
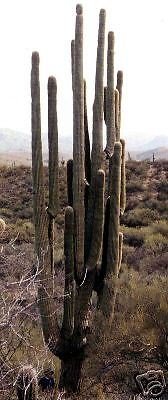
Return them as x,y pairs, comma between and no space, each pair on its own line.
92,237
110,97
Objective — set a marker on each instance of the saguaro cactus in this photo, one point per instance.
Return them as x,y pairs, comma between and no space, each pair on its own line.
92,238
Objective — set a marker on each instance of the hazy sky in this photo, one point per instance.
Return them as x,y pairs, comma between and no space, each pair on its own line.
141,49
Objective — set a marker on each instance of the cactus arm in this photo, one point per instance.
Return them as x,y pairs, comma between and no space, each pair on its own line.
87,155
101,273
123,179
53,147
37,164
105,102
117,126
110,103
98,221
70,182
105,238
119,88
41,218
78,147
120,251
53,164
97,134
73,62
87,140
115,166
69,290
108,295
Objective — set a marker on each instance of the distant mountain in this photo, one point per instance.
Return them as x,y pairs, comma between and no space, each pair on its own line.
12,141
160,153
157,142
135,144
17,142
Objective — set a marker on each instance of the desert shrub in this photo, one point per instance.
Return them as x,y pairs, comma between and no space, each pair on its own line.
146,197
132,257
26,231
156,243
135,186
162,196
19,232
153,263
160,227
26,213
163,207
137,168
132,202
133,236
17,206
20,170
140,322
5,212
25,198
152,203
144,306
162,186
140,217
7,172
3,202
160,205
127,254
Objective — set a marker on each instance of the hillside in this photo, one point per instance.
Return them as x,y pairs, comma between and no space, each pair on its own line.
16,147
140,145
136,341
159,153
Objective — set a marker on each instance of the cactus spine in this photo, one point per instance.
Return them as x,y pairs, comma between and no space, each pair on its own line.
92,236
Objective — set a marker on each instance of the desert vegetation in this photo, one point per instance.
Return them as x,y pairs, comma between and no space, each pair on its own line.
137,339
83,273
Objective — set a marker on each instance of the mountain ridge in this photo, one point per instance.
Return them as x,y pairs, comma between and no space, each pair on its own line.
15,146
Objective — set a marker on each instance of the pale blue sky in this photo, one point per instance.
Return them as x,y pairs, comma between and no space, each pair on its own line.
141,34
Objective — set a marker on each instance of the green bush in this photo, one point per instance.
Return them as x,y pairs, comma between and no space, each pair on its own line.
133,236
5,212
136,169
160,227
162,186
157,262
3,202
21,231
25,213
131,203
140,217
156,243
135,186
144,307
